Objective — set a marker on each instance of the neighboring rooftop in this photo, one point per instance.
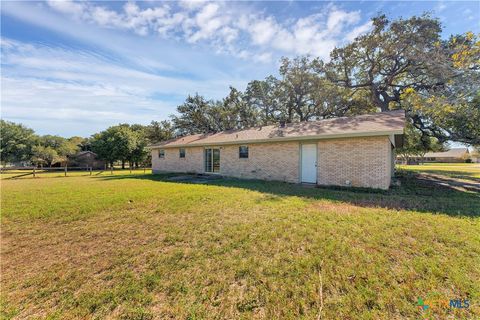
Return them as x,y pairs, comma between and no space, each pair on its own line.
452,153
384,123
81,153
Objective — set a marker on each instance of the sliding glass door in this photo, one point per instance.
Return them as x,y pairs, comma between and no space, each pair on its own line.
212,160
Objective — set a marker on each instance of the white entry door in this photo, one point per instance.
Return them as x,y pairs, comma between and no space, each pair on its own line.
309,163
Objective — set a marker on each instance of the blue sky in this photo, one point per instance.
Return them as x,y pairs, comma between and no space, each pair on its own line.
77,67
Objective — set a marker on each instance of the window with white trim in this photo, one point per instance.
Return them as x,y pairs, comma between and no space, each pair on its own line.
161,153
182,152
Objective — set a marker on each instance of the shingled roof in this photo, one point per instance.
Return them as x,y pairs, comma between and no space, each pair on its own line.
376,124
452,153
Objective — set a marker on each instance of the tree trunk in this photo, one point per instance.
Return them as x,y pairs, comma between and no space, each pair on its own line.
377,96
290,114
123,164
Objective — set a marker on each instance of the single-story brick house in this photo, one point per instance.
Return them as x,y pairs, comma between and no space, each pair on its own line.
452,155
349,151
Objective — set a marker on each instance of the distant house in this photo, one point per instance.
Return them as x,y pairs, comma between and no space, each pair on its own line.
349,151
475,157
452,155
86,159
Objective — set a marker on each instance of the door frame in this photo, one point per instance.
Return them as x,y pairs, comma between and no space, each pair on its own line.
300,157
220,160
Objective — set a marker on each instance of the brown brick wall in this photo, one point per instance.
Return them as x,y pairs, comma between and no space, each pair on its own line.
365,162
269,161
193,161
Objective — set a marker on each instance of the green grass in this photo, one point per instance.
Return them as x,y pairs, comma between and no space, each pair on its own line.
465,171
58,173
141,247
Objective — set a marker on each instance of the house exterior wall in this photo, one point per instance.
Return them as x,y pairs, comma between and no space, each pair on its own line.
392,161
193,161
267,161
364,162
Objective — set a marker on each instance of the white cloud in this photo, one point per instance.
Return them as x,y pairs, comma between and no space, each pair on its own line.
262,31
61,65
358,31
131,78
316,34
44,83
76,9
207,22
106,17
263,57
221,25
441,6
338,19
192,4
170,23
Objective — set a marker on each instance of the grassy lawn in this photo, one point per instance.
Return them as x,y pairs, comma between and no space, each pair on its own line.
58,173
465,171
142,247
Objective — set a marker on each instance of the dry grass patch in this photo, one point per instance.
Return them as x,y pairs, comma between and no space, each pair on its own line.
147,249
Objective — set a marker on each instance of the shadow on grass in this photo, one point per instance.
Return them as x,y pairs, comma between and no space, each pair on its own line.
455,174
415,193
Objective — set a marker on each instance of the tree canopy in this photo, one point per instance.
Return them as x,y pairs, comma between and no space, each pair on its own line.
401,64
16,142
127,143
405,64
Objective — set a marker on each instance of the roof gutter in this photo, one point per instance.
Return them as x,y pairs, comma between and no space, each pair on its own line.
282,139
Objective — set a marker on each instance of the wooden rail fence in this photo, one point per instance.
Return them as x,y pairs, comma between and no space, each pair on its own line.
34,171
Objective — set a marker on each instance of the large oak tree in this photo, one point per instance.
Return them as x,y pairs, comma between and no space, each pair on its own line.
405,64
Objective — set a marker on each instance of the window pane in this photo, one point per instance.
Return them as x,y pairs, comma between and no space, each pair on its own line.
216,160
208,160
161,153
212,160
182,153
243,151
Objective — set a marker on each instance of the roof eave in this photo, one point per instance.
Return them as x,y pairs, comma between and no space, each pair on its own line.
284,139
